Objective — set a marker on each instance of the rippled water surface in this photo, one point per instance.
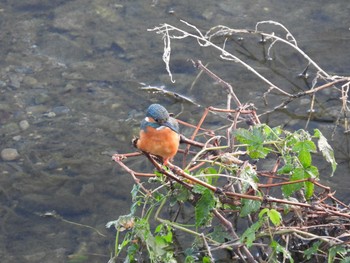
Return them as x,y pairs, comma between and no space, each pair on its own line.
70,80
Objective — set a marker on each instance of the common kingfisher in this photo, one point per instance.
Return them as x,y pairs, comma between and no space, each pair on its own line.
159,133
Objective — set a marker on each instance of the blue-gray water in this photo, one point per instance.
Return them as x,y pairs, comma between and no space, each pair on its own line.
72,70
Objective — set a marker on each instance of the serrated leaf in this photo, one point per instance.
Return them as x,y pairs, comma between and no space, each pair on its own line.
333,251
254,139
280,249
244,136
134,191
204,207
263,212
199,189
248,237
326,149
180,194
277,130
305,145
311,252
220,234
257,151
249,178
305,158
274,216
289,189
309,190
311,172
304,149
249,206
209,170
286,169
206,259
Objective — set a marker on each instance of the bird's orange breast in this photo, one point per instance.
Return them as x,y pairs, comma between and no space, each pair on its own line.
162,142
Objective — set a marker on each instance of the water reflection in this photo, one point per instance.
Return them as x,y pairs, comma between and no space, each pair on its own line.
72,71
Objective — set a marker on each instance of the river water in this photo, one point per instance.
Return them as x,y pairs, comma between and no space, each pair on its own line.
71,81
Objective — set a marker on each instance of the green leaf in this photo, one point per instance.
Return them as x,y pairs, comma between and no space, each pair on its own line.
305,145
304,149
286,169
263,212
158,196
311,172
199,189
289,189
132,252
249,206
280,249
179,194
206,259
134,191
345,260
274,216
249,178
325,149
248,237
277,131
305,158
258,151
255,140
309,190
190,259
312,251
204,207
333,251
244,136
160,243
220,234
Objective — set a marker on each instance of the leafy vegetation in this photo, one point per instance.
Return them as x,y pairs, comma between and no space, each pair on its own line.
256,195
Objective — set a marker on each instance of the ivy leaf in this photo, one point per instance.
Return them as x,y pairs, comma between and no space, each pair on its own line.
325,149
204,206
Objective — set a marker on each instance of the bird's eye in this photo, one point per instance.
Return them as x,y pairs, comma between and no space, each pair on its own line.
156,120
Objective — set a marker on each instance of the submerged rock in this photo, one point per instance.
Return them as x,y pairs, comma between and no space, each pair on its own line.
9,154
24,125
